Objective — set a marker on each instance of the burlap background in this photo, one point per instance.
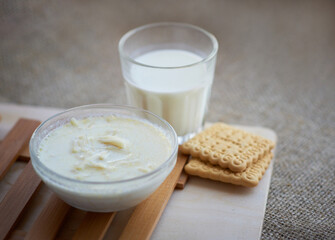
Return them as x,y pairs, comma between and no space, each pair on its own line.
276,68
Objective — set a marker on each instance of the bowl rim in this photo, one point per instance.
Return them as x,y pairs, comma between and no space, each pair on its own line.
51,174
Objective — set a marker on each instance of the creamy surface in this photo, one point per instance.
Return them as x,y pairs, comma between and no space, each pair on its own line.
104,148
179,95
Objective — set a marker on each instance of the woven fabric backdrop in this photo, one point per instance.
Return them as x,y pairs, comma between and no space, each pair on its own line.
276,68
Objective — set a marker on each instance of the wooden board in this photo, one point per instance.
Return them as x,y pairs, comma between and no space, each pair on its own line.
17,198
94,226
15,141
47,224
50,219
146,215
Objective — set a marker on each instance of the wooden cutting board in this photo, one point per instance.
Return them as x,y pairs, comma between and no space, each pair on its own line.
203,210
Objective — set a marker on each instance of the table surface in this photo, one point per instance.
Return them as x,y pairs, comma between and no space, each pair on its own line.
275,68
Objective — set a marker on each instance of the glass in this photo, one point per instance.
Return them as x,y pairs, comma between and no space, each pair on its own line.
169,69
110,195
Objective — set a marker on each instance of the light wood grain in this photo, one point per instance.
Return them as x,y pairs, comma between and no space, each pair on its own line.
94,226
146,215
14,142
17,235
50,219
24,154
17,198
182,180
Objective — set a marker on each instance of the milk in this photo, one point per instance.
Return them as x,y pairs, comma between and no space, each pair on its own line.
178,94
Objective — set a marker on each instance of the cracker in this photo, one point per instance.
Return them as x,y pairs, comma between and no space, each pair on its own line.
249,178
228,147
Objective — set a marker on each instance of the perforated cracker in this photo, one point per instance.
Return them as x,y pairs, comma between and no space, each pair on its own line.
248,178
228,147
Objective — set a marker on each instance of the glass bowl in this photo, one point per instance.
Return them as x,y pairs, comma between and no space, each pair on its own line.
105,196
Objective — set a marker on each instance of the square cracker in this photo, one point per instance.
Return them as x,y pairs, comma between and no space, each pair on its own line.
228,147
249,178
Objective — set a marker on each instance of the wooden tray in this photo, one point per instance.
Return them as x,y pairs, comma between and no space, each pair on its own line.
55,212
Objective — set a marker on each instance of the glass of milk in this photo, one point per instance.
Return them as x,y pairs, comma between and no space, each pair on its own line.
169,69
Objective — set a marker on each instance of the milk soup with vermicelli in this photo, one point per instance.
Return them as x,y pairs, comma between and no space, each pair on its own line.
104,148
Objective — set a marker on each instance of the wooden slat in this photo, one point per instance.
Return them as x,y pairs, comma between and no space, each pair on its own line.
24,154
146,215
94,226
50,219
17,198
182,180
16,139
17,235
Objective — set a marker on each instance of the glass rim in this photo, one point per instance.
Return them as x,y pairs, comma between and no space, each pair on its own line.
132,32
51,174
